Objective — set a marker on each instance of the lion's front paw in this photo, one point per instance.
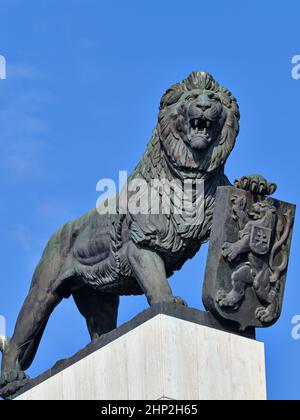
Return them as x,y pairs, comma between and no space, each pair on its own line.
230,251
171,299
179,301
256,184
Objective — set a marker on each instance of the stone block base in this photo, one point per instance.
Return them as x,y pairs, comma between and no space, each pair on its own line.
165,357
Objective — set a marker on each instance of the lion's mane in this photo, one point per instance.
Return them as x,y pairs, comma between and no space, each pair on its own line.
168,157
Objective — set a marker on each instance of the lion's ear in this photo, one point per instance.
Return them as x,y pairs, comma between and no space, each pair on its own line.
227,140
171,96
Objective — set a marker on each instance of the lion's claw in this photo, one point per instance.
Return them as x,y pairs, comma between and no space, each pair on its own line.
256,184
231,300
179,301
11,382
229,251
12,387
265,315
12,376
172,299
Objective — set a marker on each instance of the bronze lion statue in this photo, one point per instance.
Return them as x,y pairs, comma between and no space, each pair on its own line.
99,257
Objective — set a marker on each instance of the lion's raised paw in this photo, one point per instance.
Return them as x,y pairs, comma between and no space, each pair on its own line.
256,184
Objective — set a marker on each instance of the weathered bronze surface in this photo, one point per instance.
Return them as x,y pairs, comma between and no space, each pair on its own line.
248,257
97,257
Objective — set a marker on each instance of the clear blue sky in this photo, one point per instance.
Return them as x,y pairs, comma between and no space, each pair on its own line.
84,80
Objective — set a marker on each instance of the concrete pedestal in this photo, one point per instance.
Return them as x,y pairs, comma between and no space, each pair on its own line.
164,357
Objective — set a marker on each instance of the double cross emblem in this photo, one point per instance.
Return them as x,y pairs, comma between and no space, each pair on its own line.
260,239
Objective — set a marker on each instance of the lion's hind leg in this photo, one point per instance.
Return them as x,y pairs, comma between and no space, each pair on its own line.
31,321
100,310
45,293
268,294
241,279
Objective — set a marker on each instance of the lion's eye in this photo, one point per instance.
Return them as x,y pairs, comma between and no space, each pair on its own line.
216,98
213,97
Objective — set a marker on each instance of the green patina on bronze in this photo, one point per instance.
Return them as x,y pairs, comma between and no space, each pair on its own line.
97,258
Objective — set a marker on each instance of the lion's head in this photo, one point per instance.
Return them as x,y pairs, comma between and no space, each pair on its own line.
198,123
262,208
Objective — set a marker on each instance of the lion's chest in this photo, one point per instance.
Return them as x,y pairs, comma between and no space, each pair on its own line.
178,236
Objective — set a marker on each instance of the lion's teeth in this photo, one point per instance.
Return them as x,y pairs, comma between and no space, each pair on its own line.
208,124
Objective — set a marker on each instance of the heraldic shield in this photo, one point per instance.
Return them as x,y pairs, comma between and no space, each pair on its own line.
248,257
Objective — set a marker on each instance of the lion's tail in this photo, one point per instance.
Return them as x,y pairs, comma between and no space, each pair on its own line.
4,343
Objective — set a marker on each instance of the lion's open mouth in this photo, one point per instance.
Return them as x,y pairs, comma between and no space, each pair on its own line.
199,125
200,133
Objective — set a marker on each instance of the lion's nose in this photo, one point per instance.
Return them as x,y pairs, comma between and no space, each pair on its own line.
203,102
